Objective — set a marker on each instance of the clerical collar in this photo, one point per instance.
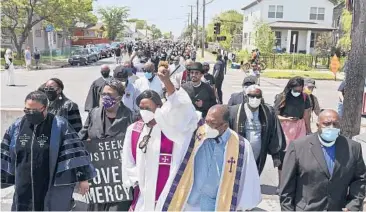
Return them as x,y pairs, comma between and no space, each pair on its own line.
196,86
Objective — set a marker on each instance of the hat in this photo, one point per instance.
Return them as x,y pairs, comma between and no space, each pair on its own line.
121,73
195,66
310,82
205,64
249,80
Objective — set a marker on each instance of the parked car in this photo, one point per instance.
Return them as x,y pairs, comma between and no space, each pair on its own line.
83,57
97,51
116,45
105,49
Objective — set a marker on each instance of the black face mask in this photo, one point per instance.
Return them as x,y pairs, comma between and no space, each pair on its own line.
105,74
51,95
35,118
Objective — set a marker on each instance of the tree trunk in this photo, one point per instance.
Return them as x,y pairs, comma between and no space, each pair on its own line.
355,77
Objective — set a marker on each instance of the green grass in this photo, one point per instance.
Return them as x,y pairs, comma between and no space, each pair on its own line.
316,75
16,62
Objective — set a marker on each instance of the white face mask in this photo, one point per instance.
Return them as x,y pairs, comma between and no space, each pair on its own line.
210,132
147,115
254,102
295,94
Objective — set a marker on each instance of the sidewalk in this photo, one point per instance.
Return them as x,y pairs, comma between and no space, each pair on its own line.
55,64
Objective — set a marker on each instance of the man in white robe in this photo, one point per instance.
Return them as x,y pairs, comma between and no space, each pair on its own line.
218,173
154,148
150,81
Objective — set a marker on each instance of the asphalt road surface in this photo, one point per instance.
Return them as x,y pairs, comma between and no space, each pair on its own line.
77,81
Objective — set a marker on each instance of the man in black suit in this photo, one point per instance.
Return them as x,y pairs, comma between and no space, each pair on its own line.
240,97
218,73
323,171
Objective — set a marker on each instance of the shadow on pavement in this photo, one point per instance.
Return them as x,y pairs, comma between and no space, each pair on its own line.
268,189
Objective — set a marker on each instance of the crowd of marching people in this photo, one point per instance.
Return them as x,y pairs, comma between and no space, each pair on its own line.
183,149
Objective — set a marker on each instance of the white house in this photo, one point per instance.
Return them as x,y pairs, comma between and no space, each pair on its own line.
296,23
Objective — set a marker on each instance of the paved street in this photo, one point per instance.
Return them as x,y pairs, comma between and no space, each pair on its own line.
77,81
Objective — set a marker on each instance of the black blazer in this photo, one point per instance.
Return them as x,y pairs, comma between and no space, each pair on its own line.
306,184
237,98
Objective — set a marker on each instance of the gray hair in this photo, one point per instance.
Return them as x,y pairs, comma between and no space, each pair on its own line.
252,88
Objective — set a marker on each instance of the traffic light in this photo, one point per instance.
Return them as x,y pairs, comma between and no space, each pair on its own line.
217,28
221,38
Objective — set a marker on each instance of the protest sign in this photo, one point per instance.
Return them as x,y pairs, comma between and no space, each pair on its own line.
106,156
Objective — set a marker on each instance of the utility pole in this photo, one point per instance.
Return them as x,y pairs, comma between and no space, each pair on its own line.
191,26
203,29
196,38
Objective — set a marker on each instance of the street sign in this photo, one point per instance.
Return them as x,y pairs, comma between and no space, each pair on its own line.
50,39
334,64
49,28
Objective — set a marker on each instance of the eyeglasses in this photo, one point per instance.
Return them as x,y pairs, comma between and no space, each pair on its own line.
145,141
32,111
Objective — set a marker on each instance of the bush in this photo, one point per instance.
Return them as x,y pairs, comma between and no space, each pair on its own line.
242,55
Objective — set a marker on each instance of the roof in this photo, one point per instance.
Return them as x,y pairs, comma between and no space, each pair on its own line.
255,2
97,26
299,25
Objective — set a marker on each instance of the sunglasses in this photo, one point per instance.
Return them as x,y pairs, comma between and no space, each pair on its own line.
145,141
146,70
254,96
32,111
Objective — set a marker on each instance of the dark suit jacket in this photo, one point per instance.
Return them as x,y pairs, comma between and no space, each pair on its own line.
237,98
307,185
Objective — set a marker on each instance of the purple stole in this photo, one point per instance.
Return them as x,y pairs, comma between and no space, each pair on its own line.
165,159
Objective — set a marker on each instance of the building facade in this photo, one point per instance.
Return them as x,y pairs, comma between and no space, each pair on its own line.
296,23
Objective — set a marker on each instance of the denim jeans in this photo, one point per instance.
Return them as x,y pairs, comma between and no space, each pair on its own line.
340,109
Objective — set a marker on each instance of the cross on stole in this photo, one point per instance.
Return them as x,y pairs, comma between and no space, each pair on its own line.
199,136
231,161
165,159
24,139
42,139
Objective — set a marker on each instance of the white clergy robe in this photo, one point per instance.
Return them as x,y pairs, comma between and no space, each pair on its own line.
143,84
177,119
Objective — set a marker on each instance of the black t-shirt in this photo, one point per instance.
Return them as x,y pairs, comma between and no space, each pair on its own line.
203,92
209,79
342,86
295,106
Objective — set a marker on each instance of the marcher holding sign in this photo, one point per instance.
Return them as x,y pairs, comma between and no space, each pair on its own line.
103,134
154,148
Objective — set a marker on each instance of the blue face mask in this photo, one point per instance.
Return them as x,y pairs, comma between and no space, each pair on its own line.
330,134
148,75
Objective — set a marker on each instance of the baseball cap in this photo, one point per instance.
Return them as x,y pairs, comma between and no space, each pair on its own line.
249,80
310,82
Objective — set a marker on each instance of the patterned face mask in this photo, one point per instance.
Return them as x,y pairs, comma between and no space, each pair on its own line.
108,102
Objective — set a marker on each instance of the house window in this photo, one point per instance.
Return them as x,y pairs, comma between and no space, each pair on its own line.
278,38
54,37
38,33
249,38
246,18
313,39
317,13
245,41
275,11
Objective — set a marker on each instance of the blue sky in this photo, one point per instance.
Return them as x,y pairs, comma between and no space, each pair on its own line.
171,15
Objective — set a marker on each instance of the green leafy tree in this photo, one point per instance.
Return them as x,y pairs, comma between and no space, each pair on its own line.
114,19
141,24
346,22
166,35
264,37
156,33
20,16
231,24
324,43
